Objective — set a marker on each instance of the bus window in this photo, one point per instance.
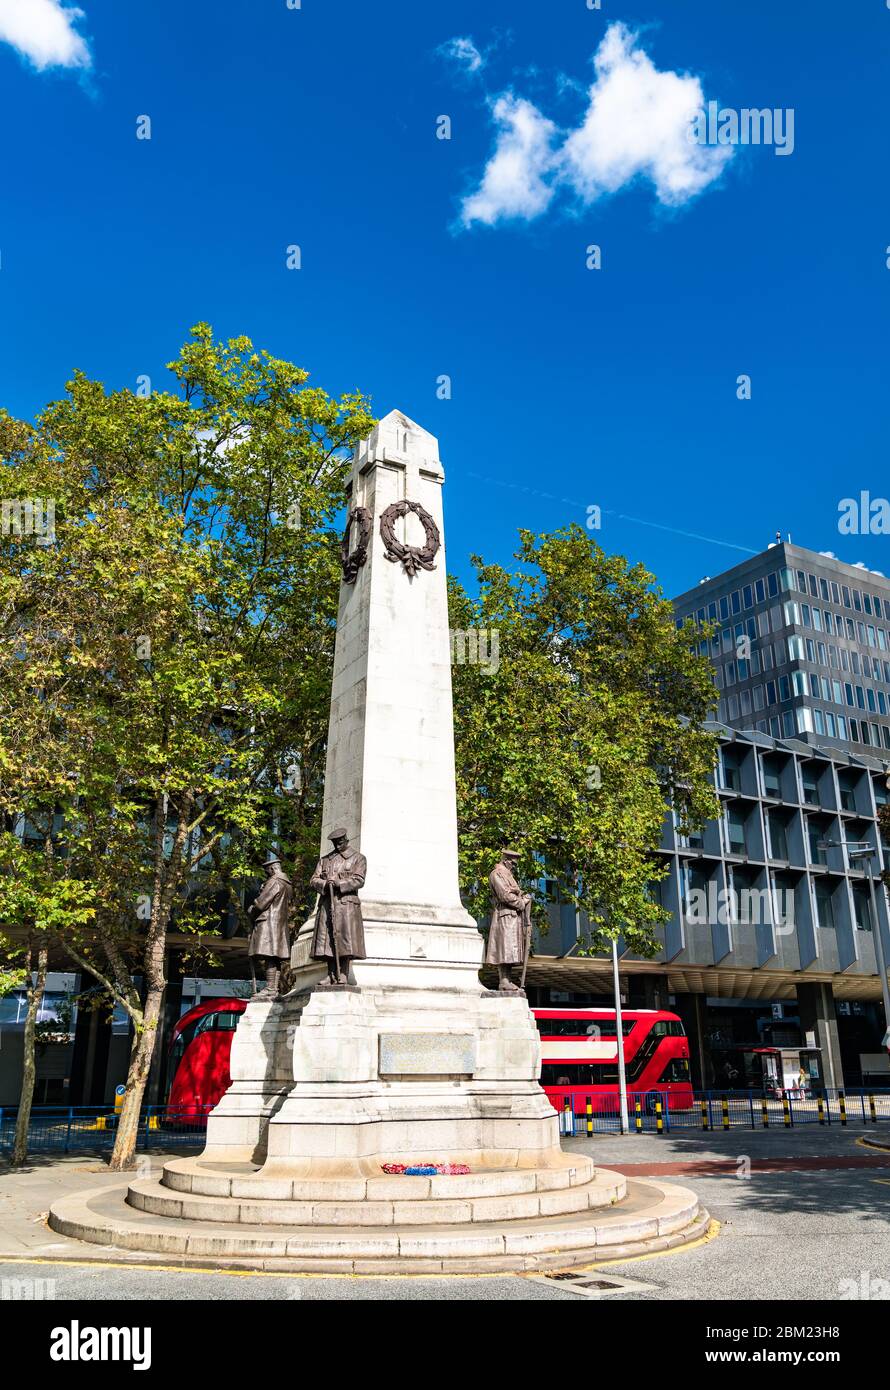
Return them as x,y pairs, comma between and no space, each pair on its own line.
216,1023
676,1070
584,1027
669,1027
581,1074
204,1025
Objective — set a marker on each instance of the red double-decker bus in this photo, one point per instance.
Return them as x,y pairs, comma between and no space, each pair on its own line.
579,1049
199,1058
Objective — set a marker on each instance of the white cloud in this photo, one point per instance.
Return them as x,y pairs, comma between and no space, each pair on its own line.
463,51
43,31
513,183
637,124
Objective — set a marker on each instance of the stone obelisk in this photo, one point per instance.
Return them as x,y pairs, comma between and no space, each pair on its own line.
416,1059
389,777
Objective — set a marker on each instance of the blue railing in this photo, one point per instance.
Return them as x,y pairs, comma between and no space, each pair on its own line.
70,1128
660,1112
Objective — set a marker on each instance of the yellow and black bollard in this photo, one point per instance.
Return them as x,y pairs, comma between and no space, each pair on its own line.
872,1111
842,1102
786,1111
725,1106
659,1118
589,1116
820,1106
704,1114
638,1115
764,1110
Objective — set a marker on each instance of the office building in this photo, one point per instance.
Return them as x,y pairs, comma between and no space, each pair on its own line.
800,644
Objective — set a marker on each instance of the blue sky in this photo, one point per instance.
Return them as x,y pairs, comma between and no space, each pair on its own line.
570,387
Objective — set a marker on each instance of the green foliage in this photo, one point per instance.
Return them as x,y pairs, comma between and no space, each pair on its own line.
165,663
35,897
590,724
12,973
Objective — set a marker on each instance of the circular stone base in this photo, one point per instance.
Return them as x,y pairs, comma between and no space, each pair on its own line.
199,1189
649,1216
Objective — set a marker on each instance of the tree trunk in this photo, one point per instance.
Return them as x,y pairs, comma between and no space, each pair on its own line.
165,883
29,1058
123,1156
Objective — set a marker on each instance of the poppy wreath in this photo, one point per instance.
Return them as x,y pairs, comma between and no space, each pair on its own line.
413,557
352,560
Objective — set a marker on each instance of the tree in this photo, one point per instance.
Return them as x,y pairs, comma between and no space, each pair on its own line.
179,632
573,741
12,973
43,904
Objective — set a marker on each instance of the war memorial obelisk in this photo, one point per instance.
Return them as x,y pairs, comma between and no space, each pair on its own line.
412,1059
419,1059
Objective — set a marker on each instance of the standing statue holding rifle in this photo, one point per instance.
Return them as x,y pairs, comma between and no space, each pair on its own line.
510,930
339,932
270,915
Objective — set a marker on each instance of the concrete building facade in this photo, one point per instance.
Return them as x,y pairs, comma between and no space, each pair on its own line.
771,932
800,644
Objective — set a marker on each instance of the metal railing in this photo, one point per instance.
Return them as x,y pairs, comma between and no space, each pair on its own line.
659,1112
70,1128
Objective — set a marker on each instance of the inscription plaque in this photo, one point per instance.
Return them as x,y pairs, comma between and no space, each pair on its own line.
427,1054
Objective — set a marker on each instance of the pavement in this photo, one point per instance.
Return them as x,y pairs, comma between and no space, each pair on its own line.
803,1214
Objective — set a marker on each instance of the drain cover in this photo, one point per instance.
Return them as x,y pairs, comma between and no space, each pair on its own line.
593,1284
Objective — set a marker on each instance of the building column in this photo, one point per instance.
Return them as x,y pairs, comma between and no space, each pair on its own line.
647,991
92,1038
691,1009
818,1024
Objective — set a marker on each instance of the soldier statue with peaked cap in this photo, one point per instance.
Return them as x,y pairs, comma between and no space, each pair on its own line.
339,931
509,931
270,913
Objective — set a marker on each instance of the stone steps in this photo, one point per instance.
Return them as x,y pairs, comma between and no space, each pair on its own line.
652,1216
209,1178
389,1201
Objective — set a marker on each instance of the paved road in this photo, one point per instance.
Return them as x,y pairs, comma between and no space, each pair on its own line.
796,1232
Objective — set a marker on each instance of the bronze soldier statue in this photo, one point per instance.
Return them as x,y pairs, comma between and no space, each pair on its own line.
270,911
339,931
509,932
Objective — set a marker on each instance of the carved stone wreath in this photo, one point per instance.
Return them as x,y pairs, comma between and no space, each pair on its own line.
352,560
413,557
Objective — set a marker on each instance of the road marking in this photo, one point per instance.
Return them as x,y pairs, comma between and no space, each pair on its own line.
714,1228
709,1235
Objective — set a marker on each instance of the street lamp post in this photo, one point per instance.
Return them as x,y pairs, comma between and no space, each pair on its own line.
619,1029
865,853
